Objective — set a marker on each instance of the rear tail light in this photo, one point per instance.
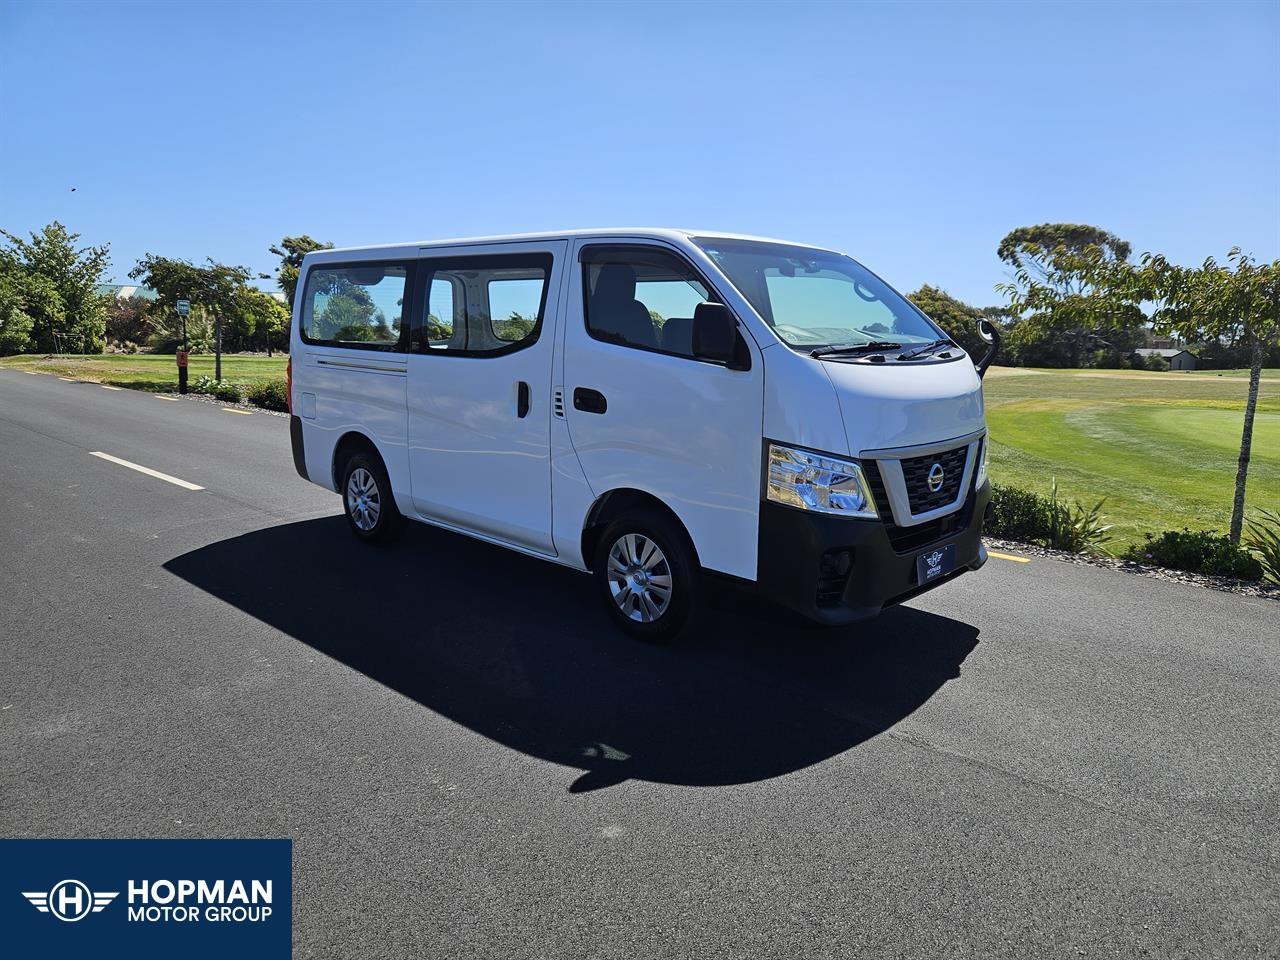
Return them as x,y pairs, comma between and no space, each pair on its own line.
288,384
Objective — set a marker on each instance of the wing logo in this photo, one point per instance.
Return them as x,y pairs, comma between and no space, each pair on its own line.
70,900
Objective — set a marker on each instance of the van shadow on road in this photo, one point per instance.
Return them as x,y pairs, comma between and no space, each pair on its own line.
519,650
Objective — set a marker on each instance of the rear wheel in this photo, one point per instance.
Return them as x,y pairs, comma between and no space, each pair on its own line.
646,572
367,499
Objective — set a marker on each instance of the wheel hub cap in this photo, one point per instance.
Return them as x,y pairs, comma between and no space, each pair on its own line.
363,500
639,578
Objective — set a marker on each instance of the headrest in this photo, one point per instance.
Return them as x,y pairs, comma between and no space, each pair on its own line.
615,282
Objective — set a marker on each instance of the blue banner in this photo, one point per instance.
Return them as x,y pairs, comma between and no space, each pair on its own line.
147,898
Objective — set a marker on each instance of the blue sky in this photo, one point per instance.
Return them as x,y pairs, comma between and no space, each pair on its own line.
912,136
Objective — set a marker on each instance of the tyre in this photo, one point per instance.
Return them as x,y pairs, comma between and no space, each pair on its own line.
368,501
647,574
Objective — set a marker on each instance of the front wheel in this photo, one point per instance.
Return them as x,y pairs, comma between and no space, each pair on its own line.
646,572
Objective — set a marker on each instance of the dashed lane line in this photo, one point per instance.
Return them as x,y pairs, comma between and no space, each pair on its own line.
243,413
147,470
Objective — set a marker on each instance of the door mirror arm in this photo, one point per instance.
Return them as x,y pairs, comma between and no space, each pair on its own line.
990,333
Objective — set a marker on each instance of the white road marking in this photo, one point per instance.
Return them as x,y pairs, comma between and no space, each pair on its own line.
243,413
147,470
1008,556
106,386
174,399
68,379
34,373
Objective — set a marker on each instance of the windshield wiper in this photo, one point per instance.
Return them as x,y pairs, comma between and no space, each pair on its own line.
875,346
928,347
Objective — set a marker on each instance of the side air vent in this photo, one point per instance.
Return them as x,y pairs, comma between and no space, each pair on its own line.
558,402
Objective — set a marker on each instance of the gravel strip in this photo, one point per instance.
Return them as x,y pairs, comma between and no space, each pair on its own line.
1265,591
205,398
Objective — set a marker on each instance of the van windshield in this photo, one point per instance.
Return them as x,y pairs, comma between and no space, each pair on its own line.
817,298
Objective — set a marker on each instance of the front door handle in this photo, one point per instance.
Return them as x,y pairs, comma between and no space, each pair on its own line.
589,401
522,399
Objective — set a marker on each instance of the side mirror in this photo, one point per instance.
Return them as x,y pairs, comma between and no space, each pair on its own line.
715,336
990,333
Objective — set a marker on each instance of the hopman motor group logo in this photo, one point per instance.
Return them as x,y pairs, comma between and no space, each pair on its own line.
934,563
146,899
70,900
162,901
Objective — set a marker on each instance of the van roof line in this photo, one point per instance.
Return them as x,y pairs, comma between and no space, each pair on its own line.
648,233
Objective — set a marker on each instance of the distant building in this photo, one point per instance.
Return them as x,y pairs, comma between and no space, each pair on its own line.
122,291
1178,358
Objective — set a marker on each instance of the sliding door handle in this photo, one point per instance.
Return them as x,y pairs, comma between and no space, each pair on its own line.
589,401
522,399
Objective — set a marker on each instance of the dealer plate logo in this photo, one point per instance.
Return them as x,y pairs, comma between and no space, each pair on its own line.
70,900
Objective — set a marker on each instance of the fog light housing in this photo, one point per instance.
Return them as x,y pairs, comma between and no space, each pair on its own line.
834,567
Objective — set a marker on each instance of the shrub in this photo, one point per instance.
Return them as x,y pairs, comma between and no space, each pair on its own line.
202,384
228,392
1264,540
1018,515
1074,528
269,394
1032,518
1198,551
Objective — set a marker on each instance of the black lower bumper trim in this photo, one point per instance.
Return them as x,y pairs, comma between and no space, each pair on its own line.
295,441
792,572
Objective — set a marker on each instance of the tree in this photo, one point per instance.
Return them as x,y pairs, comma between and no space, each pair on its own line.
957,318
15,322
58,284
215,286
291,250
262,316
1239,300
1212,302
1063,321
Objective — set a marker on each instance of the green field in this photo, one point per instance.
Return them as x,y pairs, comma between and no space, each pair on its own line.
148,371
1161,447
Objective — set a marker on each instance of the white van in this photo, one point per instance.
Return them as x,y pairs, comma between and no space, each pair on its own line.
646,405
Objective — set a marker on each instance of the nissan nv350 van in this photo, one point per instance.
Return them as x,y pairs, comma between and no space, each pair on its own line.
646,405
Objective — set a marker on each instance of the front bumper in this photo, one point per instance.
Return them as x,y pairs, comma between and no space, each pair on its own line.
883,572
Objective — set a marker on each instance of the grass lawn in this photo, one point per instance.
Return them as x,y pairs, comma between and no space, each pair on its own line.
1161,447
148,371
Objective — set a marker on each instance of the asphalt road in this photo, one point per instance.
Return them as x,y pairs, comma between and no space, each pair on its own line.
1040,759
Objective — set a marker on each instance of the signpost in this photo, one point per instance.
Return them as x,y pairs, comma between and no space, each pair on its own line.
184,308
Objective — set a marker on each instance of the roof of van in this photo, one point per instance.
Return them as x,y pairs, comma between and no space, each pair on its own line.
648,233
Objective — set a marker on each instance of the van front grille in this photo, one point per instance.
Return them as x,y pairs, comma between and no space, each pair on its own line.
916,471
914,538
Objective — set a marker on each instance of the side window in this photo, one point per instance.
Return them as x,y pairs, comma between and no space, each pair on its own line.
641,297
513,307
442,329
484,304
361,305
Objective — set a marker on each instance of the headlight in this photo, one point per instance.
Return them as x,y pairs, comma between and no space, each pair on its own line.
811,481
981,477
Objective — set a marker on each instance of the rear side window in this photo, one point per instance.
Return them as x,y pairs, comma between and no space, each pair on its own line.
482,305
357,305
641,297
